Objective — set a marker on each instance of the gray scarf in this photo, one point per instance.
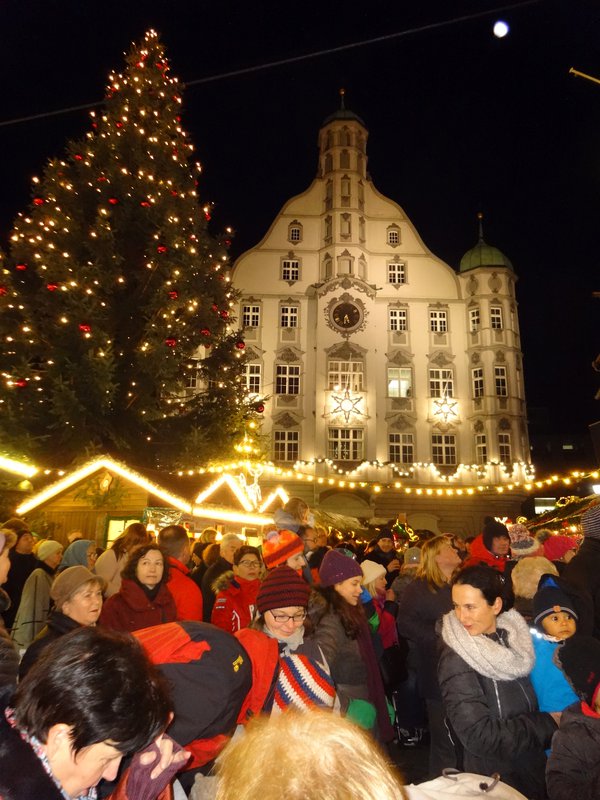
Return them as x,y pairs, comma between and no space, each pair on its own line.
487,656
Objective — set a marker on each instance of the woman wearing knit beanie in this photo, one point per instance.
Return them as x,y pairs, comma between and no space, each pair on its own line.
283,547
301,674
344,637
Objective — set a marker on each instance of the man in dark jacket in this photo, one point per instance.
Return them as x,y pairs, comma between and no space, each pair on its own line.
22,564
230,544
384,553
582,575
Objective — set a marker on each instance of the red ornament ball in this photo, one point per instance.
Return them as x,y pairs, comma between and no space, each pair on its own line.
38,201
170,342
85,328
240,345
78,157
3,291
102,178
52,287
161,249
119,124
260,408
224,314
113,201
174,294
205,332
21,383
21,267
145,204
215,307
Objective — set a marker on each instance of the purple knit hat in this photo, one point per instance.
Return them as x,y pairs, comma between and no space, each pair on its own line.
336,567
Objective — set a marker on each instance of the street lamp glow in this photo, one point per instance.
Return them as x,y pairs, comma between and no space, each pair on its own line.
500,29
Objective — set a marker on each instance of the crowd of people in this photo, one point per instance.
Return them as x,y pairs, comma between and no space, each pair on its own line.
165,666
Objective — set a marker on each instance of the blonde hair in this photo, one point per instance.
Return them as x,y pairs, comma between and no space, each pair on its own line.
305,756
297,508
527,573
428,568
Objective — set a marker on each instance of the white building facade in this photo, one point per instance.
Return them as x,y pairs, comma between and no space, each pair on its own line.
380,362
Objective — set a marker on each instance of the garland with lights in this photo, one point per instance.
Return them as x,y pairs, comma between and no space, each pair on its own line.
116,306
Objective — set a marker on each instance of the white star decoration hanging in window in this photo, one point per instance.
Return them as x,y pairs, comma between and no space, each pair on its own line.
346,405
445,409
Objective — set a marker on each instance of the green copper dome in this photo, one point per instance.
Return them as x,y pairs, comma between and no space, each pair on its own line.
483,255
343,113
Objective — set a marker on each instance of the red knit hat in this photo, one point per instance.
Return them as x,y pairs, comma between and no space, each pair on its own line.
555,547
282,588
279,546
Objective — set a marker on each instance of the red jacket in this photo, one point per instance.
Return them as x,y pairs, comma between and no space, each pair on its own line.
235,606
481,555
186,593
131,609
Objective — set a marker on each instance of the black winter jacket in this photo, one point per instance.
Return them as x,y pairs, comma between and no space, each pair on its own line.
58,624
497,724
573,769
582,576
419,610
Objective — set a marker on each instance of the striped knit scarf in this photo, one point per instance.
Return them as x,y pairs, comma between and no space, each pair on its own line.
302,683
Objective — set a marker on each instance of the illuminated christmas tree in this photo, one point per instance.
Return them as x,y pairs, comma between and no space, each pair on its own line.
115,300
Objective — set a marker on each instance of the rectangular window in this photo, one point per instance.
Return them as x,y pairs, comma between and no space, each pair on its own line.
398,319
401,448
477,379
496,318
290,269
441,383
480,448
250,316
345,444
443,448
393,236
504,448
286,445
288,317
345,375
396,272
474,320
252,375
295,234
501,381
399,382
287,379
192,375
438,321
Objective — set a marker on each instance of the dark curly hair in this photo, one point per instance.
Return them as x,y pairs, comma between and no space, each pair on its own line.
135,556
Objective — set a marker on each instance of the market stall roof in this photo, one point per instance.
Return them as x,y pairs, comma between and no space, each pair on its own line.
569,513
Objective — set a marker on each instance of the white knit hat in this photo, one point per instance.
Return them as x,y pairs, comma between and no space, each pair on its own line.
371,570
48,548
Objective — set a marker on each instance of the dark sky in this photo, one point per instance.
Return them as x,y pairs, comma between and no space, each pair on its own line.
459,120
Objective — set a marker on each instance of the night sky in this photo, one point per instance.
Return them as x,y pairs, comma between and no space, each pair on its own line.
459,121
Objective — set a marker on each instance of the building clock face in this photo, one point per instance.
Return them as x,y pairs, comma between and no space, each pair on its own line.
346,316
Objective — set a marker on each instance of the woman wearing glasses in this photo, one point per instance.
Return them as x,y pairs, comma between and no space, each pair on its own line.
286,659
237,590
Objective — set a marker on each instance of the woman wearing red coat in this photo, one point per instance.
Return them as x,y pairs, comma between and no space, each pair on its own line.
235,606
143,599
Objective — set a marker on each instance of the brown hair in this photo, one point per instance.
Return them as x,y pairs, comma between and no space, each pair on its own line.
133,535
136,555
352,617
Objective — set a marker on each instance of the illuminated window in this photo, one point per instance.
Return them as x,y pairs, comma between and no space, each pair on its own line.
250,316
401,448
290,269
438,321
398,319
288,317
443,449
496,318
252,378
441,383
480,448
477,381
474,320
345,375
345,444
399,382
192,375
295,232
393,235
504,448
501,381
396,272
286,445
287,379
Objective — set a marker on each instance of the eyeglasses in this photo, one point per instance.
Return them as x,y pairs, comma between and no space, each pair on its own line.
249,564
299,616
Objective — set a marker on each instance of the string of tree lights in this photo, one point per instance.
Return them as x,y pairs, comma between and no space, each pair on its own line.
115,299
